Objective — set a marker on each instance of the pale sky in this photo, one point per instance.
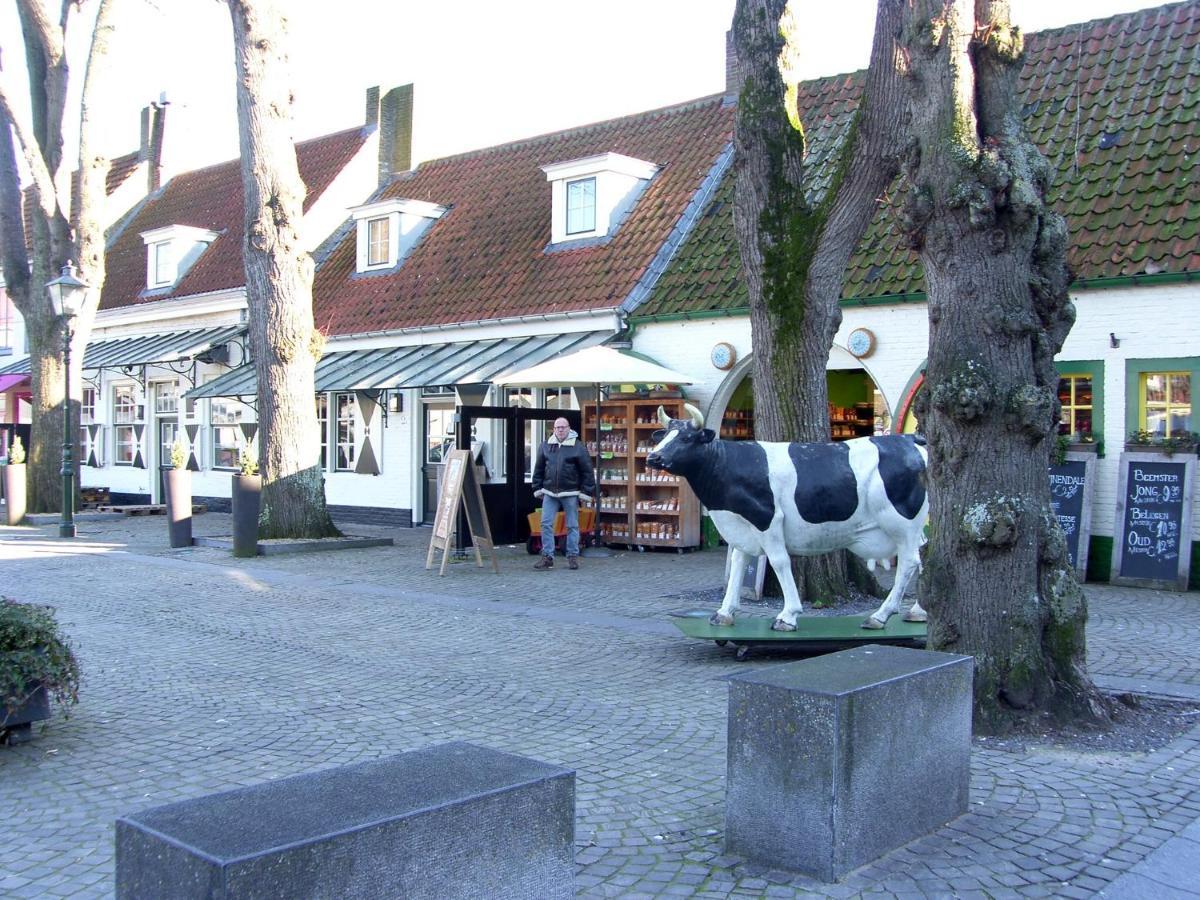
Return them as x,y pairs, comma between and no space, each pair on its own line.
485,71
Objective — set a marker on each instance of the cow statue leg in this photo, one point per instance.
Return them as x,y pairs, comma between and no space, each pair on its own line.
733,588
781,562
908,564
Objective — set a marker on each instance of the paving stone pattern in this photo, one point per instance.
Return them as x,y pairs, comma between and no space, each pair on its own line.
204,673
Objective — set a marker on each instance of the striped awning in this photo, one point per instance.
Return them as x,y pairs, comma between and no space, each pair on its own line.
144,350
394,368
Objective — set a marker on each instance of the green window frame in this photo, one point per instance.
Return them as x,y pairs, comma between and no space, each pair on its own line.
1136,406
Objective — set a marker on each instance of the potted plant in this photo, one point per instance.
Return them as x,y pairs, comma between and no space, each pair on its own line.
247,486
14,483
1151,442
179,497
37,665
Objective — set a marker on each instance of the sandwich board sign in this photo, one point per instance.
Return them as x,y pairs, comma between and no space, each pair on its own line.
1153,542
460,489
1071,485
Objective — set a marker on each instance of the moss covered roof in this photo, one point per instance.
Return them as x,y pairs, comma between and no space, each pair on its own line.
1114,104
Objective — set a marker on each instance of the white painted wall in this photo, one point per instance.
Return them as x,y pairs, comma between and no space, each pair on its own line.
1147,321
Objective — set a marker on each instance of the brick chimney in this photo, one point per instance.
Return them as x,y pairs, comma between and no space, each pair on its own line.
735,78
150,149
393,114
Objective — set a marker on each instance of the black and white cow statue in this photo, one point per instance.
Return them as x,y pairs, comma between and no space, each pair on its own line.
865,495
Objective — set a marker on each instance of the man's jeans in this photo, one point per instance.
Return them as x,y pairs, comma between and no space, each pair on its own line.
550,508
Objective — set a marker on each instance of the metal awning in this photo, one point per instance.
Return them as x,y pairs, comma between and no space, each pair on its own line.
395,368
144,350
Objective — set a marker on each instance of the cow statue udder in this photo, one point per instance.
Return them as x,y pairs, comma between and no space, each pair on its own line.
865,495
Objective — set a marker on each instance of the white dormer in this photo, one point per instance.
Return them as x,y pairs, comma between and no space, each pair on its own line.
171,251
589,196
388,229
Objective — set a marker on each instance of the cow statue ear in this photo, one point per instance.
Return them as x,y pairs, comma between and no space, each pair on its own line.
707,436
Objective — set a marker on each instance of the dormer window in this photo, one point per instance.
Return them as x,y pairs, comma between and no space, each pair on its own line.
591,196
581,206
171,251
379,246
389,229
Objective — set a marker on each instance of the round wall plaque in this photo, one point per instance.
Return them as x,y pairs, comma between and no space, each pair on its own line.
723,355
861,342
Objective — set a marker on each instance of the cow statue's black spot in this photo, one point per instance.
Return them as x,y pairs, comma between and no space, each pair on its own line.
903,472
734,478
826,489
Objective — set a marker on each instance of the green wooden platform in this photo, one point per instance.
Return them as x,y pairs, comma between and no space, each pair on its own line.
813,634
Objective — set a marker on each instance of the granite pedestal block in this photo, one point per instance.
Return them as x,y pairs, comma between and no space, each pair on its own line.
455,820
836,760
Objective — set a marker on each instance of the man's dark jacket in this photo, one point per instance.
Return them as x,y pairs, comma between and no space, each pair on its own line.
564,469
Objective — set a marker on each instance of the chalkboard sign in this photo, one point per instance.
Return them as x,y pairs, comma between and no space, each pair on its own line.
1153,545
1071,499
460,489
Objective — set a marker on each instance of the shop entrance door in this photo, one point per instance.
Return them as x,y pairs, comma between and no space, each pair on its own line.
507,495
168,432
437,439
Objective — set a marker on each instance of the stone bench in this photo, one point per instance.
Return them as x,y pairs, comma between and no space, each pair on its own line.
836,760
454,820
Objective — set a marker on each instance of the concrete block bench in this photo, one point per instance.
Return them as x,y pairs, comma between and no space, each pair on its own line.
836,760
454,820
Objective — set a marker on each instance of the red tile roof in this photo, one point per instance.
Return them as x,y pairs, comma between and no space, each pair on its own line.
212,198
1113,104
120,168
486,258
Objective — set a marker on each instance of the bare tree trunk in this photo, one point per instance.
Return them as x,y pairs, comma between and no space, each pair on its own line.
279,273
64,228
794,240
997,581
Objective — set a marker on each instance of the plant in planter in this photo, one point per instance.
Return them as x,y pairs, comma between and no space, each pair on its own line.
14,483
1184,442
37,665
247,487
179,497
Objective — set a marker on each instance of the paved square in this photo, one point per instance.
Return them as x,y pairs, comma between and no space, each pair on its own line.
202,675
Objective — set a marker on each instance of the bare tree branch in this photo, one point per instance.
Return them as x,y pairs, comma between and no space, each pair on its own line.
43,182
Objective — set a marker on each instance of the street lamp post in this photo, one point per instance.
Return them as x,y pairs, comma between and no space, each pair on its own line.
67,294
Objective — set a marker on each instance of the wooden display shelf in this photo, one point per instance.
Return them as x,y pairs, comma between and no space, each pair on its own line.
685,518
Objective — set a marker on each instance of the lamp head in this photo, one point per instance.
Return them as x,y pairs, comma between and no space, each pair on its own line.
67,292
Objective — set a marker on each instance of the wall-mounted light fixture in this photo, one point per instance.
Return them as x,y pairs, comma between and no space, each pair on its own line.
395,402
1113,340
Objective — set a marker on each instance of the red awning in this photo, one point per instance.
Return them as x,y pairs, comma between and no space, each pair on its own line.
8,382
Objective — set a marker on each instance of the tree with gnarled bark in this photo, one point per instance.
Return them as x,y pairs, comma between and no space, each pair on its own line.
279,274
795,240
65,227
997,581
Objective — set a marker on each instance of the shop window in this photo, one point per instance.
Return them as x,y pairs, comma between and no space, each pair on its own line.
125,416
323,428
1075,398
87,416
557,398
346,408
439,433
1167,402
166,397
225,417
1158,395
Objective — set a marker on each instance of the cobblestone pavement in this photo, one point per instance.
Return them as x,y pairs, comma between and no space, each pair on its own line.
204,673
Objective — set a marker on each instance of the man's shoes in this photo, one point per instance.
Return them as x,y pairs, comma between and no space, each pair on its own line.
572,562
546,562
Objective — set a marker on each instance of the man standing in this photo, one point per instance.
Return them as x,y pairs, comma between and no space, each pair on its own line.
562,473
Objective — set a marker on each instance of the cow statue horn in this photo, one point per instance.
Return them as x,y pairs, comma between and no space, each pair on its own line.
663,418
697,416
